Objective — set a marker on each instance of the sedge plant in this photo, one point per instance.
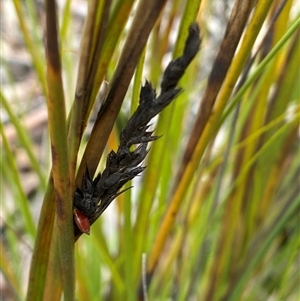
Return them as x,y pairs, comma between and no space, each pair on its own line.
209,208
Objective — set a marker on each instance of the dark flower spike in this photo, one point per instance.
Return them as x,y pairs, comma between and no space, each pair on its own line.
94,196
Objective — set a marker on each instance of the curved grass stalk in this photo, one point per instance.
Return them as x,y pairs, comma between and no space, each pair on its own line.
23,202
59,148
262,65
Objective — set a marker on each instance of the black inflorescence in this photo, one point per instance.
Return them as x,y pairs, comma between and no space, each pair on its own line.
95,195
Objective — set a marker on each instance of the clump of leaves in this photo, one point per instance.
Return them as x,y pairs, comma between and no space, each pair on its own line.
215,215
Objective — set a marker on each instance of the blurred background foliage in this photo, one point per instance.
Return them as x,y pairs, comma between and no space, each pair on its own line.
215,215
